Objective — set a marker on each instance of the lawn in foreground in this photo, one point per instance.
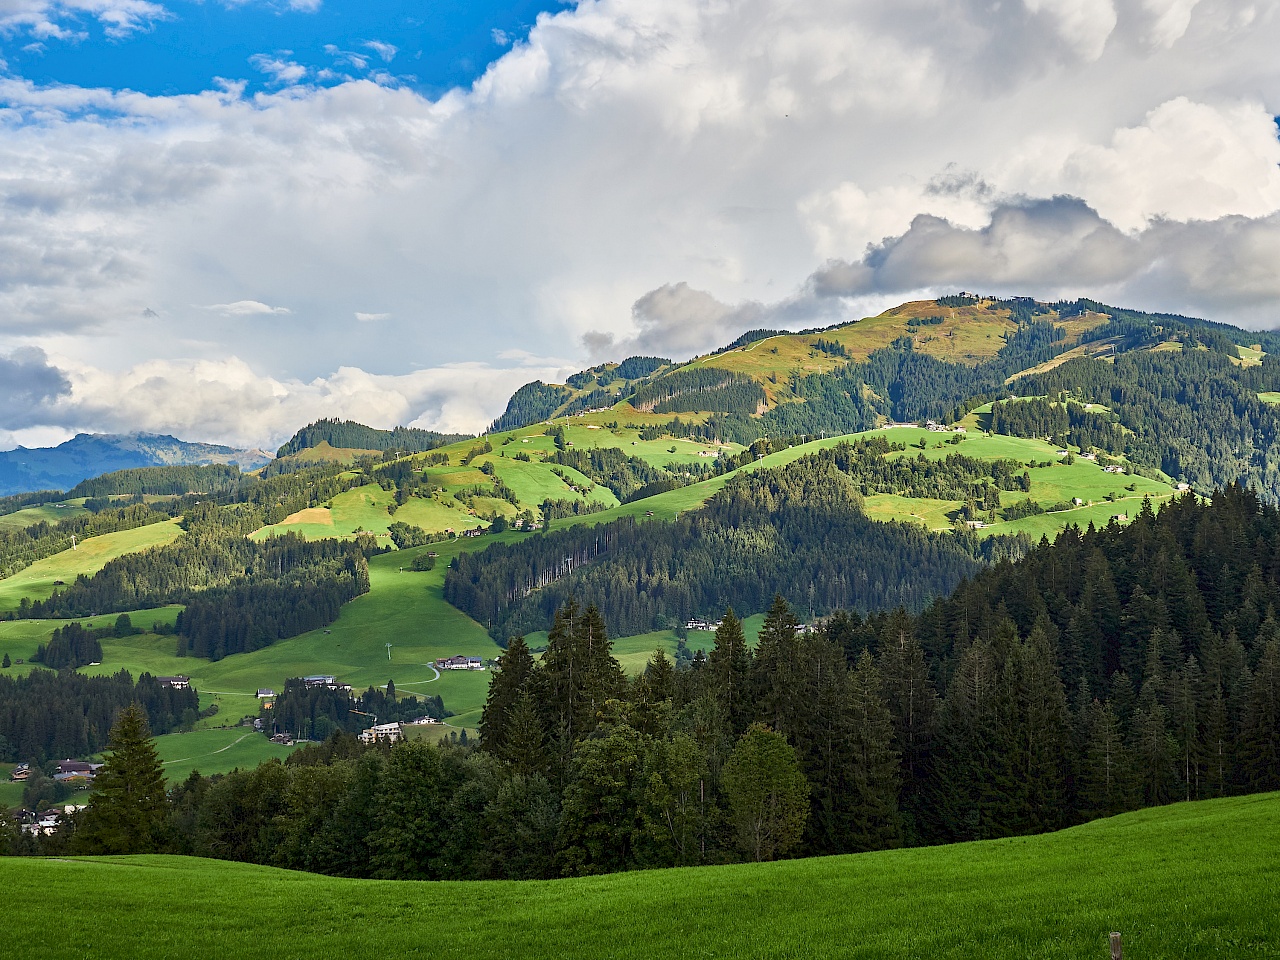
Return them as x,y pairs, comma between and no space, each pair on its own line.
1189,880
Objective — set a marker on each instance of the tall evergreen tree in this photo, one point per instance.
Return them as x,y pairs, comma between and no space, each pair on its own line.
505,687
773,667
730,664
874,779
128,807
1261,733
1104,784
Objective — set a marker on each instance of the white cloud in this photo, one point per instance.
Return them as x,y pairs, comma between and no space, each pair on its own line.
281,71
247,308
371,317
226,401
655,174
386,51
45,19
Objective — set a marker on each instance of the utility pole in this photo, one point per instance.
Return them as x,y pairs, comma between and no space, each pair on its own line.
388,651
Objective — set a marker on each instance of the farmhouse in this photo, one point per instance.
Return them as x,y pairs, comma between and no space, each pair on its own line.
326,681
176,683
20,772
460,663
265,693
386,732
76,772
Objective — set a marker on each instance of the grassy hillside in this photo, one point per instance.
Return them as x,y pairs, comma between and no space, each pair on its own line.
1189,880
39,580
47,512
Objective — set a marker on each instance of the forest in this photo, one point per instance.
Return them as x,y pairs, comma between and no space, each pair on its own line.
346,434
1113,670
768,532
51,716
160,481
24,546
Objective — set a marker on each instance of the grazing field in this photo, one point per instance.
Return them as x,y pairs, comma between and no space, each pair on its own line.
39,580
1188,880
19,638
1269,397
50,513
215,751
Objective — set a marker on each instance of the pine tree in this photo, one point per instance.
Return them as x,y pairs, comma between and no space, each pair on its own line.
729,664
128,807
774,667
504,690
1260,737
1104,784
874,822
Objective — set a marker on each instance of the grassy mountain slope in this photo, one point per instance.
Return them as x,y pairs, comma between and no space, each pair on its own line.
1188,880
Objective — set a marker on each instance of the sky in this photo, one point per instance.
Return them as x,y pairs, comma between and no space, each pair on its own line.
223,220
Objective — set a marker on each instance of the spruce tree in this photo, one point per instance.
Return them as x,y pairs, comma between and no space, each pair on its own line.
913,706
774,667
1104,785
874,779
505,687
729,664
128,807
1260,746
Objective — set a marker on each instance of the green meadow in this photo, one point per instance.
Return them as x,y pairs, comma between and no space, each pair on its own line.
1189,880
215,751
47,512
39,580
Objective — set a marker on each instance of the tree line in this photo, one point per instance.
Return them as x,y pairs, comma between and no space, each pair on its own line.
348,435
160,481
1111,670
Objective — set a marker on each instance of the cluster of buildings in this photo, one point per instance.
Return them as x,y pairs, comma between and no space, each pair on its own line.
460,663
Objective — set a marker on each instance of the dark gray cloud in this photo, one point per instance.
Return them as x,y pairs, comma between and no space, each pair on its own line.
29,385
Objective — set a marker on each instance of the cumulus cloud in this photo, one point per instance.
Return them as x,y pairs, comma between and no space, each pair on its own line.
227,401
371,317
640,176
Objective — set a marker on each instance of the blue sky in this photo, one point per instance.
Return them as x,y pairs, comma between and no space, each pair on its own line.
181,48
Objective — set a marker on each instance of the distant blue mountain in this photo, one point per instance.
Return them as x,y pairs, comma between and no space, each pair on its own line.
92,454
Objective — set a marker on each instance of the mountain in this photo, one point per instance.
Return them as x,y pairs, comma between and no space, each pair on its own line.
92,454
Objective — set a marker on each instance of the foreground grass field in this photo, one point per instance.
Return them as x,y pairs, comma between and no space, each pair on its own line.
1190,880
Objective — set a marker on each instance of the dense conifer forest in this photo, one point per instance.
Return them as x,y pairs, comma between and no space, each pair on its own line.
347,434
797,530
52,716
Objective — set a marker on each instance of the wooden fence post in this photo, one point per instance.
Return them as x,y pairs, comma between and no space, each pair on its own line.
1115,947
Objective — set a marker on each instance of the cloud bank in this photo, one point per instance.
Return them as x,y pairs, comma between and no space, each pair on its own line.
638,176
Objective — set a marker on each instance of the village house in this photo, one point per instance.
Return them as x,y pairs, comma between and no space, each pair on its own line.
265,693
387,732
176,683
20,773
1113,468
460,663
326,681
422,721
76,772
